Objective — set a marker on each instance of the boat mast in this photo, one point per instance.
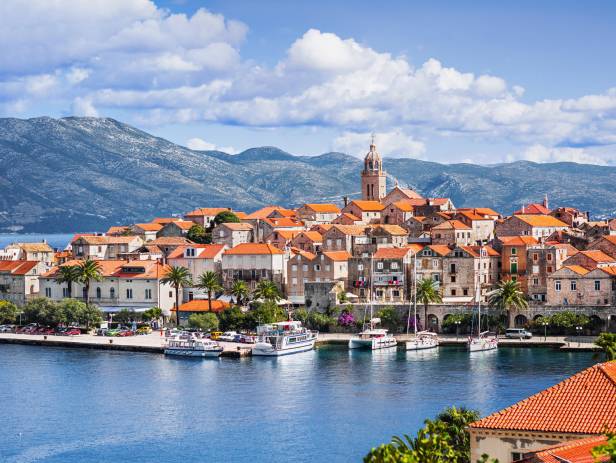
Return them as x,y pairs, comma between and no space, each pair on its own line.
415,294
371,286
479,293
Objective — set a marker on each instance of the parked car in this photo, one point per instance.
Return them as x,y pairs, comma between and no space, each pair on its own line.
7,328
518,333
72,331
28,329
145,329
60,330
126,332
228,336
247,339
216,335
48,331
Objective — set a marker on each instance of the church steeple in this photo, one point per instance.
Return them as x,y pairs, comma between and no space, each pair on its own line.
373,178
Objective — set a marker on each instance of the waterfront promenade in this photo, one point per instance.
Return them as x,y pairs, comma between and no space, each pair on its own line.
154,342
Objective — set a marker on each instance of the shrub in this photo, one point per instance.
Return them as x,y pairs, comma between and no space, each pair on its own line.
8,312
204,321
346,318
389,318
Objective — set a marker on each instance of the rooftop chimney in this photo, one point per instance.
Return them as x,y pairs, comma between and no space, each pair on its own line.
345,199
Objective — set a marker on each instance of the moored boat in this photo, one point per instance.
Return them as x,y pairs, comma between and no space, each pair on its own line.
283,338
422,340
373,338
484,341
192,347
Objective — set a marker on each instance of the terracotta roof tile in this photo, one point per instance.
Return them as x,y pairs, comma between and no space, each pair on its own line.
337,255
534,208
368,206
451,225
313,236
206,211
323,208
149,226
17,267
540,220
576,451
576,268
392,253
203,305
440,249
352,230
202,251
33,247
253,248
395,230
284,222
306,254
585,403
265,212
518,240
170,241
241,226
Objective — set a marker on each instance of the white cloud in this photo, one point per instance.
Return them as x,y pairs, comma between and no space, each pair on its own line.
389,144
540,153
84,107
199,144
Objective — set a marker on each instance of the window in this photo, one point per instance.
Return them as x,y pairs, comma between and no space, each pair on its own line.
294,280
98,293
513,267
327,267
47,292
395,293
535,257
597,285
394,265
453,278
465,291
549,268
453,292
515,456
360,267
434,263
573,285
171,293
112,293
317,268
549,256
64,292
536,281
436,277
452,268
379,265
305,267
514,251
329,243
294,268
129,293
148,294
557,285
338,243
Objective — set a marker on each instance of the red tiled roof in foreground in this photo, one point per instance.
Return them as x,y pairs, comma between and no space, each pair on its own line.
585,403
576,451
203,305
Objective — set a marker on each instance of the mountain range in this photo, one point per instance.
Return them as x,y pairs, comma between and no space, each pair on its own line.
83,174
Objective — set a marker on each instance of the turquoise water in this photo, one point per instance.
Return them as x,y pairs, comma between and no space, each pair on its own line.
55,240
329,405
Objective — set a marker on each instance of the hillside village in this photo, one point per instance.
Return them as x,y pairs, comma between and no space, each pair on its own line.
372,249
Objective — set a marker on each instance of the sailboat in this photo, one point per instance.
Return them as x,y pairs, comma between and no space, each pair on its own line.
422,339
371,337
484,340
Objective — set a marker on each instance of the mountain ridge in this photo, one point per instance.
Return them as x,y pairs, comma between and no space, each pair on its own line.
75,173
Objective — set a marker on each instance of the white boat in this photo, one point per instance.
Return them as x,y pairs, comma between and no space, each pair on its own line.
373,338
192,347
283,338
424,339
484,340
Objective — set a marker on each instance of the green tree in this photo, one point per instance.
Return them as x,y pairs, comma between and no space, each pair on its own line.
264,313
233,319
226,217
239,290
607,450
124,316
152,314
204,321
389,318
209,282
441,440
268,291
427,293
198,234
177,277
8,312
320,321
508,297
89,270
607,342
90,316
566,321
77,312
44,311
68,274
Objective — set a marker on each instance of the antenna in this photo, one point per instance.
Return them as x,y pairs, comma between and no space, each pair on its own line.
372,136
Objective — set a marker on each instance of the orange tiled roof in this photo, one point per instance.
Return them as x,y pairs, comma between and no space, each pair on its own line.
404,206
286,234
609,270
585,403
518,240
308,255
451,225
203,305
283,222
440,249
33,247
321,226
475,250
183,224
240,215
597,255
312,235
117,229
205,251
368,206
235,226
337,255
253,248
576,268
265,212
395,230
17,267
170,241
534,208
438,201
392,253
353,230
96,239
165,220
540,220
323,208
575,451
472,215
479,210
349,216
206,211
117,268
149,226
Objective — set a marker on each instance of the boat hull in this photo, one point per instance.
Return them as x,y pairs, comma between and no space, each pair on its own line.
373,344
421,344
263,349
480,345
193,353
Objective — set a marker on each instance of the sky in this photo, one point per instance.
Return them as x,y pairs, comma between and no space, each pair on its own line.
459,81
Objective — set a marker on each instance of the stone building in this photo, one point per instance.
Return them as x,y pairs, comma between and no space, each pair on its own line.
310,241
607,244
579,286
313,213
451,232
232,234
40,252
535,225
253,262
366,211
344,238
304,267
373,177
19,280
465,268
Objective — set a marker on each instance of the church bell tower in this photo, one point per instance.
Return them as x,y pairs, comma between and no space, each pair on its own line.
373,177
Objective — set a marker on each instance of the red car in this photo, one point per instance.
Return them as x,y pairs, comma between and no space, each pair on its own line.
28,329
47,331
72,332
125,333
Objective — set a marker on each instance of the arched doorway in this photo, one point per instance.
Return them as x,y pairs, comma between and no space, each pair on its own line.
432,323
596,324
520,321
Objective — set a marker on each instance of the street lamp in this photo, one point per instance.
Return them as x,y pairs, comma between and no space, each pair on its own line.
545,330
578,330
457,322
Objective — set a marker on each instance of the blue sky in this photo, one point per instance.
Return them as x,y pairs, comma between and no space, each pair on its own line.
452,81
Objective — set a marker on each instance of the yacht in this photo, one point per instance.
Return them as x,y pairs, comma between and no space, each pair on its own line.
373,338
192,347
483,340
283,338
423,339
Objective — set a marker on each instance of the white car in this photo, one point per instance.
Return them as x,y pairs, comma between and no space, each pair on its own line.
518,333
228,336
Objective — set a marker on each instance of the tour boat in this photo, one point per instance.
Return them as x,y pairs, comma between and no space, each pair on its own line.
484,340
283,338
192,347
373,338
423,339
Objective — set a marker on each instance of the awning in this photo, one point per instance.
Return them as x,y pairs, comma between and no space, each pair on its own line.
115,309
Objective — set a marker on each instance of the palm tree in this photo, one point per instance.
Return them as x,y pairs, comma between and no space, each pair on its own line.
507,296
68,274
239,290
89,270
210,282
428,292
267,290
177,277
